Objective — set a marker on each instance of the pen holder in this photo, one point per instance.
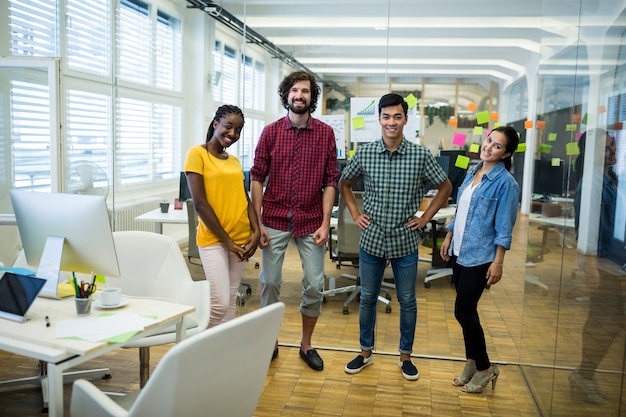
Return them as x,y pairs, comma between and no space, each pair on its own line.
83,306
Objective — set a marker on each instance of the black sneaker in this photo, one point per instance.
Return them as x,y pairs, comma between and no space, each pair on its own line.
358,363
409,371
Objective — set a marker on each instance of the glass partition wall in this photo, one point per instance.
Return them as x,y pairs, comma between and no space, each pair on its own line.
572,349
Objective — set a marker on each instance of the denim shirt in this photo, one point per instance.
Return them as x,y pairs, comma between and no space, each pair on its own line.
490,218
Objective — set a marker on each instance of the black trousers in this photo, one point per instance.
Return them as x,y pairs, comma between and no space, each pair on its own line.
470,284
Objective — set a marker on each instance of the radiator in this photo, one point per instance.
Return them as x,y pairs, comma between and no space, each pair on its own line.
124,214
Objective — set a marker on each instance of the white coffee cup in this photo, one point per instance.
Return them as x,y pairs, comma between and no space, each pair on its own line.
111,296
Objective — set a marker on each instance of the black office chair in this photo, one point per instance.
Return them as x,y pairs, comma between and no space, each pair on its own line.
346,253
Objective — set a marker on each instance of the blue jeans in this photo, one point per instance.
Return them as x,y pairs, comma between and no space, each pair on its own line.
404,269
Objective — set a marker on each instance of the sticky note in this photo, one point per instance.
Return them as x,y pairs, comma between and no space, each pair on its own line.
572,149
578,136
552,137
575,118
617,126
494,116
453,122
411,100
482,117
570,127
358,122
541,124
471,106
459,139
545,148
528,124
589,119
462,162
521,147
474,148
352,152
478,130
601,109
498,125
555,162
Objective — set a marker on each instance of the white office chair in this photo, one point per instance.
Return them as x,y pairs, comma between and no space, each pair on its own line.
152,266
218,373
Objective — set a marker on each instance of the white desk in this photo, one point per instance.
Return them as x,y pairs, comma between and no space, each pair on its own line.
158,218
548,223
7,220
433,274
34,340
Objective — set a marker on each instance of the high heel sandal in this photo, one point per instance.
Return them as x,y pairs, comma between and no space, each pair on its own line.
466,376
479,381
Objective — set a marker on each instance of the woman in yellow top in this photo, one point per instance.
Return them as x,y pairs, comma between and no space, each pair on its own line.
228,230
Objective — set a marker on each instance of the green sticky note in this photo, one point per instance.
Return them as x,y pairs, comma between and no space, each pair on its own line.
475,148
552,137
556,162
545,148
478,130
351,153
358,122
482,117
498,124
572,149
588,119
411,100
521,147
462,162
121,338
571,127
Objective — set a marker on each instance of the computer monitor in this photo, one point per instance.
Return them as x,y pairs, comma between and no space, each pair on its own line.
548,179
64,232
183,188
456,175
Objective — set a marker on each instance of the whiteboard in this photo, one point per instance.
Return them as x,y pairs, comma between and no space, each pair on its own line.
337,122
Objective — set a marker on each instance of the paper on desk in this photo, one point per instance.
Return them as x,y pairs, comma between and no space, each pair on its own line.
95,329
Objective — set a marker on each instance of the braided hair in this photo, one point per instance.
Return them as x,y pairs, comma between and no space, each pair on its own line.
221,112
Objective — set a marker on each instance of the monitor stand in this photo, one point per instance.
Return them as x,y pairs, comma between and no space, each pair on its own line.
50,266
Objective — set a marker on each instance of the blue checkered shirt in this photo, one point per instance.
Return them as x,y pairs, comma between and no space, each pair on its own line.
394,188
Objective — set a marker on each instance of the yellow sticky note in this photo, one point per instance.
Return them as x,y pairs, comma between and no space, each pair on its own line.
358,122
351,153
498,124
482,117
570,127
552,137
556,162
572,149
478,130
545,148
474,148
462,162
411,100
521,147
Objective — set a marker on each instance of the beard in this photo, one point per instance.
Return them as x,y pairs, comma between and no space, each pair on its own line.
299,110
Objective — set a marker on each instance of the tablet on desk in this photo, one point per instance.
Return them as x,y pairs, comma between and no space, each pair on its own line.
17,294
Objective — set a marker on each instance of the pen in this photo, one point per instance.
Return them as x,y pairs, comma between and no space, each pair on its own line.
47,321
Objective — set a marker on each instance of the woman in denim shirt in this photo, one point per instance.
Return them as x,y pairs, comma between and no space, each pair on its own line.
477,238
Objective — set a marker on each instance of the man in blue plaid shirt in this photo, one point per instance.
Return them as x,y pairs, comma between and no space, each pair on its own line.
394,171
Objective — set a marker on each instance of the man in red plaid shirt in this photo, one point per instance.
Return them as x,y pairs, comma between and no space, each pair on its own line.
297,156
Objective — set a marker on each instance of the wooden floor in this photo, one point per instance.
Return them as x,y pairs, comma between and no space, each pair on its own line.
292,389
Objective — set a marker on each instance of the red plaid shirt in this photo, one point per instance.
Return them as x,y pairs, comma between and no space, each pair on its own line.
300,163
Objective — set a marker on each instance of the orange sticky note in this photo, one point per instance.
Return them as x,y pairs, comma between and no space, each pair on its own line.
453,122
601,109
617,126
576,118
541,124
528,124
471,106
494,116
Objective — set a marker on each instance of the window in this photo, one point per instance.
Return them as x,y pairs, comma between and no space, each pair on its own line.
144,146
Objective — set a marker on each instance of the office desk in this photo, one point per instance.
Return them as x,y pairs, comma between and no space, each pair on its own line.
158,218
433,274
34,340
551,223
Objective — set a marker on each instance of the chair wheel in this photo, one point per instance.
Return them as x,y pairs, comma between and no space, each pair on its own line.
345,310
249,291
426,284
338,266
256,265
388,309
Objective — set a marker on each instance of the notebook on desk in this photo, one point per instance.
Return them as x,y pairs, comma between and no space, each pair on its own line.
17,294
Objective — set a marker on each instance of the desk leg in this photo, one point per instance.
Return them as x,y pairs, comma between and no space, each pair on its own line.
55,391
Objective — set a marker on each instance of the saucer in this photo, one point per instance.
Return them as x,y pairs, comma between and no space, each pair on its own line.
122,303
